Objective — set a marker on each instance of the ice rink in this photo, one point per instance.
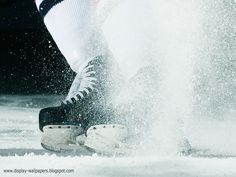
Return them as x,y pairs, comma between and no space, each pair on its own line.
213,142
193,43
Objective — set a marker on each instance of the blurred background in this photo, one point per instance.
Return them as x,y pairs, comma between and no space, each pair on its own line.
30,62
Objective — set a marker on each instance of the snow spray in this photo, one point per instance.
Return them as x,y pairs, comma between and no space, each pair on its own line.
181,38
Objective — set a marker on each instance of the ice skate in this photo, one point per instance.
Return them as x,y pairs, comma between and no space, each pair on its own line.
88,103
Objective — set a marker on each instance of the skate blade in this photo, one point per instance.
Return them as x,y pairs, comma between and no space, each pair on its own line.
105,140
60,134
69,149
62,139
108,139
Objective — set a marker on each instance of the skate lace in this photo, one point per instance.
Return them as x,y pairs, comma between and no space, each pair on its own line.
82,85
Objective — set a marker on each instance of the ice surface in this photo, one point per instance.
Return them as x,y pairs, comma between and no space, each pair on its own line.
125,167
214,143
19,121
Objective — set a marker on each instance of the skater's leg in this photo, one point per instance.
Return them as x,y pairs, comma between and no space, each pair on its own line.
127,29
73,26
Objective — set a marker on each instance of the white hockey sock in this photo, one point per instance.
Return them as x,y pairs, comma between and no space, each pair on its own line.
73,26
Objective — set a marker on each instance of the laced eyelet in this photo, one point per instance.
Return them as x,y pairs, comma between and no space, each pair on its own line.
84,93
87,85
73,100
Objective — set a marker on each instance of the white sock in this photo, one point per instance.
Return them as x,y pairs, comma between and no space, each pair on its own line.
73,26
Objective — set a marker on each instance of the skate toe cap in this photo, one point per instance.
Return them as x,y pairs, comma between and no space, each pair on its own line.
47,116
